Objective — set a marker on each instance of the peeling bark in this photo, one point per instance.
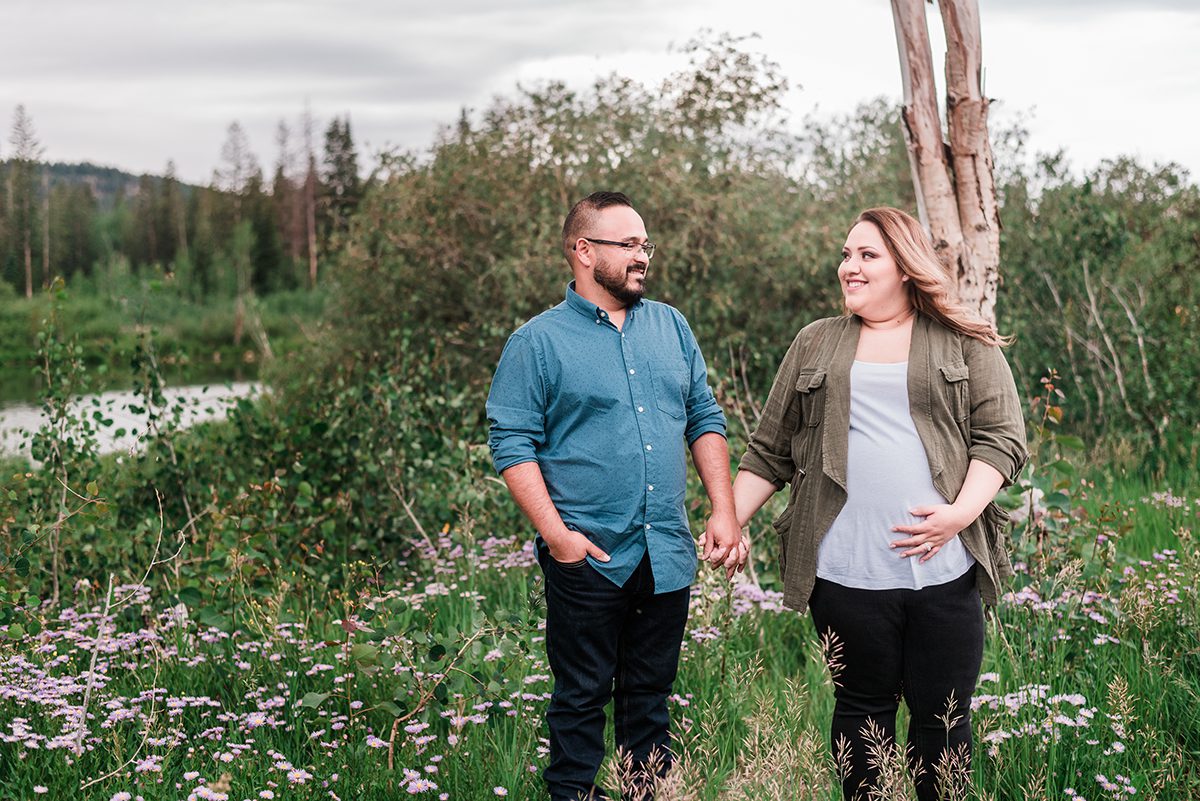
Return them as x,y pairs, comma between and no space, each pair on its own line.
955,183
923,133
971,157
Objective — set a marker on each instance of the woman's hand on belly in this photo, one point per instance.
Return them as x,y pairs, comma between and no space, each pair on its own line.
943,522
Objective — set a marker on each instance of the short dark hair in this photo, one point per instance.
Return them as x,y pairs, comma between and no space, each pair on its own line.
583,213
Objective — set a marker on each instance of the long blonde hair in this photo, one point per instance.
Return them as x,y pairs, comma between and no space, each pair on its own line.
931,289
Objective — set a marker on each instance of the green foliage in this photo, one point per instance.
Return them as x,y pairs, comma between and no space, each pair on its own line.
108,312
53,504
1097,285
466,243
342,181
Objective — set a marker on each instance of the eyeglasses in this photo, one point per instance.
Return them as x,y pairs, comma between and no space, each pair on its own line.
646,247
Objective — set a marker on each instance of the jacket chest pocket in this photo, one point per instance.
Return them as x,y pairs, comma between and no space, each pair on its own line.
957,389
810,384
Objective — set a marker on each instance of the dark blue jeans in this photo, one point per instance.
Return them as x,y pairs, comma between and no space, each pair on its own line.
608,642
925,645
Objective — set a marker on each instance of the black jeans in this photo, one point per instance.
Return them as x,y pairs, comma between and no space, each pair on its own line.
605,641
926,645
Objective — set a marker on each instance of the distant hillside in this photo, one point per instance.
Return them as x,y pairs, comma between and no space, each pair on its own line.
106,182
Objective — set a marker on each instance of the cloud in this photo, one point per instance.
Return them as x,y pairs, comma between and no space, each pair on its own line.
136,82
1089,5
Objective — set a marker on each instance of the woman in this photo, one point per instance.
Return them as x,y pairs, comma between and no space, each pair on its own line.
895,425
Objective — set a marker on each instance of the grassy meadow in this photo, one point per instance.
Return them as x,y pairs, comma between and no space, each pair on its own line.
427,677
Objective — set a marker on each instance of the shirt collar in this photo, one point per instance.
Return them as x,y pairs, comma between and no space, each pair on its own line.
587,308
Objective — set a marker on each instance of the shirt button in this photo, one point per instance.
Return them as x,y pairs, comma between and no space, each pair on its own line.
632,371
649,447
597,322
640,409
647,526
650,487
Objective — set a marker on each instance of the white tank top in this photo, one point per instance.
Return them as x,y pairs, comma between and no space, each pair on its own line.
887,473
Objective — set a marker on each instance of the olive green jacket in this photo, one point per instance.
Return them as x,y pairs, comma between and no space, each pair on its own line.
964,405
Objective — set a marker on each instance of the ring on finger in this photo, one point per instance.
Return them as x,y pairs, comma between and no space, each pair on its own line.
928,547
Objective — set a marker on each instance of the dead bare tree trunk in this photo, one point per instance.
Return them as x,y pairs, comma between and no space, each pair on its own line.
310,198
955,182
922,125
45,227
27,250
971,157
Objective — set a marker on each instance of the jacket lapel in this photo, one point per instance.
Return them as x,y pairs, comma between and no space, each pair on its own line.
920,387
836,423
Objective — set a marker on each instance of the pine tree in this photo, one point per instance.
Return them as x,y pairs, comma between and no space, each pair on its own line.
73,229
145,240
203,250
238,168
23,190
288,200
343,187
176,221
5,203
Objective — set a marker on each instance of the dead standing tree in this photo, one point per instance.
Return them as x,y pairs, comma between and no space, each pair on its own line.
956,187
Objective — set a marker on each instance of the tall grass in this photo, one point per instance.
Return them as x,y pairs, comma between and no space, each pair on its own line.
1090,685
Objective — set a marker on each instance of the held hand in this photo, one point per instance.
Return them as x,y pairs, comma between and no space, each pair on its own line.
573,546
942,523
721,537
735,562
722,544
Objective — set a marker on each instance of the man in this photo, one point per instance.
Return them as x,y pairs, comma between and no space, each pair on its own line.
590,408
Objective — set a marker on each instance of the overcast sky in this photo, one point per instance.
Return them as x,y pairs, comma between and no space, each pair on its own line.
133,83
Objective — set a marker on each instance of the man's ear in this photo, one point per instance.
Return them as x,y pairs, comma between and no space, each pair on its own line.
584,253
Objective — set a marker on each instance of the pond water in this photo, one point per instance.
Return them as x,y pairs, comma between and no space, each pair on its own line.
197,403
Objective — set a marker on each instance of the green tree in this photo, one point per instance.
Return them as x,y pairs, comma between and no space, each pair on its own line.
268,260
23,180
238,169
74,229
747,250
1097,285
148,239
175,212
342,185
204,245
287,199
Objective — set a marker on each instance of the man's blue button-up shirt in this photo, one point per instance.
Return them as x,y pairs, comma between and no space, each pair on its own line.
607,413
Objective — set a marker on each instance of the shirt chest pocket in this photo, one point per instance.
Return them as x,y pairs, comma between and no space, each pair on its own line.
670,382
810,385
956,389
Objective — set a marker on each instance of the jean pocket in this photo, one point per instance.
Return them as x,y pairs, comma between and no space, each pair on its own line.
569,565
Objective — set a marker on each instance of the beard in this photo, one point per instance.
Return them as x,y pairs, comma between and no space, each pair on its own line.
616,281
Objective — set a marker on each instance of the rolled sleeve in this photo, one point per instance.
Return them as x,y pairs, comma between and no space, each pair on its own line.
704,415
516,405
997,420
